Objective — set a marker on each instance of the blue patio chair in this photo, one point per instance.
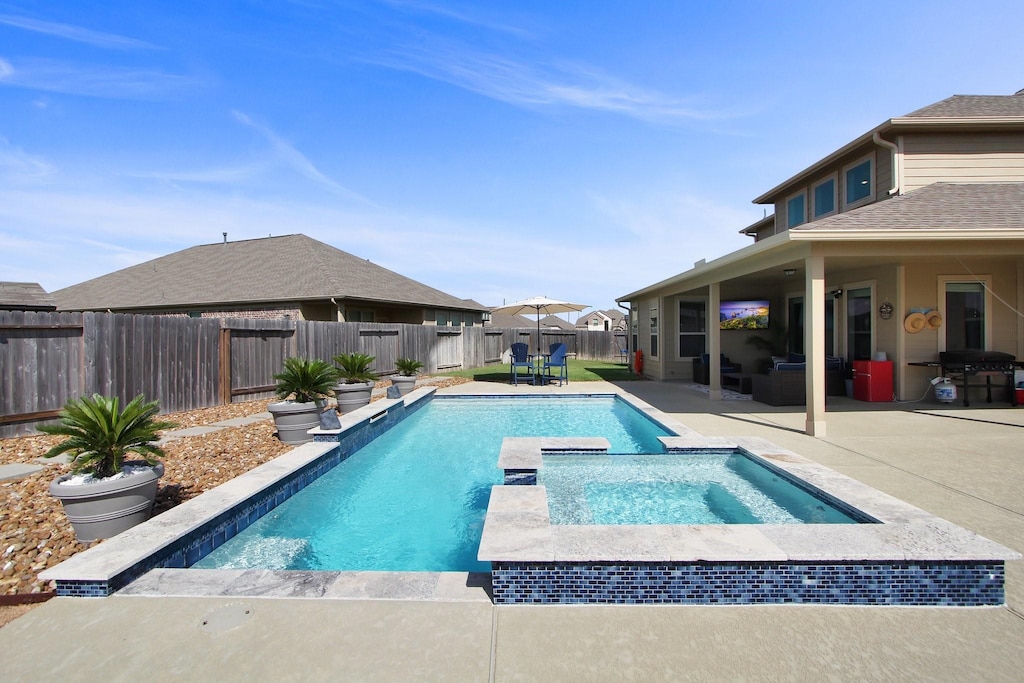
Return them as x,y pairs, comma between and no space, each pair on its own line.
521,358
556,359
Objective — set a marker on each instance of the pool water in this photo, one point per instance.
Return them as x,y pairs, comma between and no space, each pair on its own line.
415,498
700,488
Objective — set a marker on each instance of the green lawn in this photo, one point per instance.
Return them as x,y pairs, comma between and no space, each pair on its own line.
579,371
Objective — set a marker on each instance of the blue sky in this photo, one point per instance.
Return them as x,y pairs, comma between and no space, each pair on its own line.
494,150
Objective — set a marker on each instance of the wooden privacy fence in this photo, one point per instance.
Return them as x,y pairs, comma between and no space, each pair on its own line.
187,363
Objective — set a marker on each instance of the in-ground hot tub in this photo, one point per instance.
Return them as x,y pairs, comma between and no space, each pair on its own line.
896,555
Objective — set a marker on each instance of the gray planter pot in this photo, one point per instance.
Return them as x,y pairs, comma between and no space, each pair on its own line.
294,420
109,506
353,396
404,384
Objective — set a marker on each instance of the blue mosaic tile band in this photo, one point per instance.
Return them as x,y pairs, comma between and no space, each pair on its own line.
520,477
962,584
189,549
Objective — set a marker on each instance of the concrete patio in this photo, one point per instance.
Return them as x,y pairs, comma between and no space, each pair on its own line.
964,465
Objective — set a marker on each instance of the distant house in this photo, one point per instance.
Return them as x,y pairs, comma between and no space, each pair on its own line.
923,213
293,276
25,296
608,320
553,322
510,321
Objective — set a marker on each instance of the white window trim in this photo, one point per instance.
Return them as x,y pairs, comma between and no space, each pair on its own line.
986,283
803,219
871,181
707,324
865,284
835,197
655,331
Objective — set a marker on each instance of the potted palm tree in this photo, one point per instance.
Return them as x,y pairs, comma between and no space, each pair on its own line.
355,380
303,385
405,380
104,493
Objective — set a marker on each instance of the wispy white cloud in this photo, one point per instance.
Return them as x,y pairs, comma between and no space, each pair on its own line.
297,160
17,165
223,175
470,16
93,81
75,33
522,84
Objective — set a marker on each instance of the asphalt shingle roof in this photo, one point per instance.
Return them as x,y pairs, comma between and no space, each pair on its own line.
25,296
939,206
288,268
973,106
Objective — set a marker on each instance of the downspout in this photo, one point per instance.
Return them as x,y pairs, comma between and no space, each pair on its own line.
896,171
337,310
629,326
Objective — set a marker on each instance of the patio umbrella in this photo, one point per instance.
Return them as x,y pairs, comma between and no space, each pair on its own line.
539,306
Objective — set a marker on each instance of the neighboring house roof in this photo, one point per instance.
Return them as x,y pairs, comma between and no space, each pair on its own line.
278,269
505,320
939,206
25,296
614,314
556,322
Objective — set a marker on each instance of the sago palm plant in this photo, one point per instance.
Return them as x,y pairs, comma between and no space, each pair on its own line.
307,379
100,434
354,368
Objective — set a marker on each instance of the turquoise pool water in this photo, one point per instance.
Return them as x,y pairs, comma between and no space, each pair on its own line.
415,498
700,488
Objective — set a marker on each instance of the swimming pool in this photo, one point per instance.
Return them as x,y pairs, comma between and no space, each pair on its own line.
906,557
415,498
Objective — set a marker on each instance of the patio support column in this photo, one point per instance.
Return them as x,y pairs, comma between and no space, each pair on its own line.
814,344
714,343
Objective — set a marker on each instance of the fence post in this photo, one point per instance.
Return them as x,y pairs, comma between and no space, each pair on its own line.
224,378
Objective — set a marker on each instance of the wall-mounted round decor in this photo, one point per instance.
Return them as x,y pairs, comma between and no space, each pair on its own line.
885,311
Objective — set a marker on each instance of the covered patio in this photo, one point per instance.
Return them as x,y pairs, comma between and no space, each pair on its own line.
843,286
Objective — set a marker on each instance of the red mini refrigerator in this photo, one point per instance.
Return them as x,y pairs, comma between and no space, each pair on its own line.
872,380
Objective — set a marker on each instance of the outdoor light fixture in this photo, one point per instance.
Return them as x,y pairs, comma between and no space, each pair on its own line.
789,272
838,294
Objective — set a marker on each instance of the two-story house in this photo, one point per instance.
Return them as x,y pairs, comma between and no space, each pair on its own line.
922,214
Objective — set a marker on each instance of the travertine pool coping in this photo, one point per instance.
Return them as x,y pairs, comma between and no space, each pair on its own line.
518,528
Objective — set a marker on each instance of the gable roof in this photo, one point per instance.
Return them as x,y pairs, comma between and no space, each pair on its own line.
288,268
553,321
506,320
973,106
25,296
939,206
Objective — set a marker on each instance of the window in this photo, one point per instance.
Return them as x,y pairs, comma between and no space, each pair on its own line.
858,182
858,323
796,210
441,318
693,327
455,319
964,318
654,329
356,316
824,198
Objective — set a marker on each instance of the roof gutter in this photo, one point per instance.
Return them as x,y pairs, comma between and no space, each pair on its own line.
897,172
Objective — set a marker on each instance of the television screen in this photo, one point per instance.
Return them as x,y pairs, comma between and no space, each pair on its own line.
744,315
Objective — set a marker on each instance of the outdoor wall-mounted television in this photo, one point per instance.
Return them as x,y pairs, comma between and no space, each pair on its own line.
744,315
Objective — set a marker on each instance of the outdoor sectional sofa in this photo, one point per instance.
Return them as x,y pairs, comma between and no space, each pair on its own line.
786,384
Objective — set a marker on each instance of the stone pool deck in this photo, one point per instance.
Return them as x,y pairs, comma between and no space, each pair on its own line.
964,465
